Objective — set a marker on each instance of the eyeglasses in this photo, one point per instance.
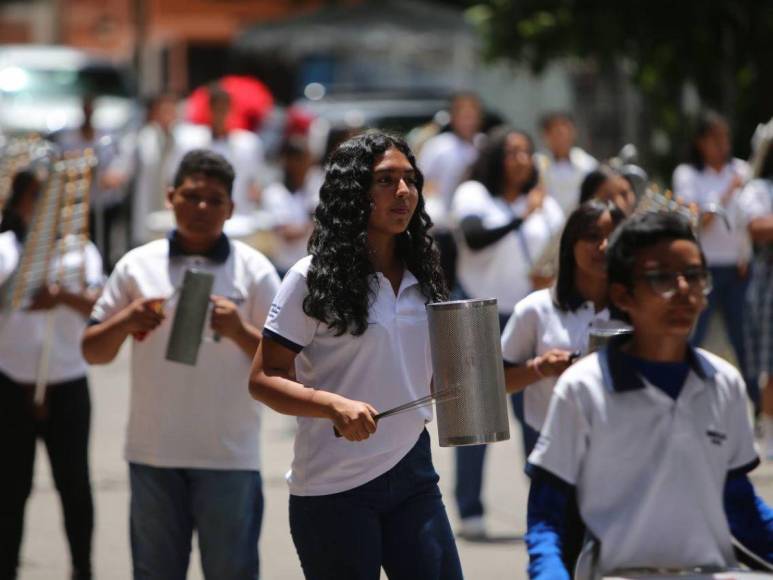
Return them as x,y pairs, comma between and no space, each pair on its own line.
667,283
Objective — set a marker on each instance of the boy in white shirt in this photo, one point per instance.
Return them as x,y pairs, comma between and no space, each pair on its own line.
650,435
193,433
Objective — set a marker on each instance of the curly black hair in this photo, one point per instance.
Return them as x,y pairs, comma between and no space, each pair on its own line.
341,274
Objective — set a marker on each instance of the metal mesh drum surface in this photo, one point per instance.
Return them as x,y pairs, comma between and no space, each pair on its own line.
467,354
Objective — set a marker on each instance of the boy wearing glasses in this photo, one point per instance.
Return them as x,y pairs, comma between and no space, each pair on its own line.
193,435
650,435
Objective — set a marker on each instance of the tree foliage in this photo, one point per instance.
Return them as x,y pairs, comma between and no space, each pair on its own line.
723,48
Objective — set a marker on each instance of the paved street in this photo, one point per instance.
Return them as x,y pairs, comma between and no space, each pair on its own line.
45,554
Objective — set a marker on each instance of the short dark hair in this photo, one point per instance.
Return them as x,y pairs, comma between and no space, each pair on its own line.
547,119
207,162
489,168
643,231
580,221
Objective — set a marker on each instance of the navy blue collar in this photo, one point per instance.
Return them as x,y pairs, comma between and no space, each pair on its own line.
218,252
618,374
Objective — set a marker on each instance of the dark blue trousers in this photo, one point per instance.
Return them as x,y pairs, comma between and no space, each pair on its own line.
396,521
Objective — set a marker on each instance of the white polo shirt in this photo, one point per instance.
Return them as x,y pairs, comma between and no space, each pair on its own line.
722,247
445,160
756,199
536,326
23,333
388,365
563,178
192,416
501,270
649,471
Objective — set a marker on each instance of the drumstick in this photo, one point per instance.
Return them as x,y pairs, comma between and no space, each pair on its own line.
444,395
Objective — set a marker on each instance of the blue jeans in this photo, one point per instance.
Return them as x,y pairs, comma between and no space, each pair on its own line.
397,521
469,459
225,507
729,296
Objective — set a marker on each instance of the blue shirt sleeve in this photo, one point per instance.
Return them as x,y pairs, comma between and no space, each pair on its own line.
750,518
549,499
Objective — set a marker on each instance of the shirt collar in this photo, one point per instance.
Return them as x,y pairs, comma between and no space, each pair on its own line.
218,252
617,372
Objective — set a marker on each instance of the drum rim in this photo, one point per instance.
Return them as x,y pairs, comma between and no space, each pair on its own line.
462,304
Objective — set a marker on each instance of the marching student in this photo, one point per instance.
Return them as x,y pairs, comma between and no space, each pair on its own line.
193,439
549,328
346,336
650,435
65,420
506,221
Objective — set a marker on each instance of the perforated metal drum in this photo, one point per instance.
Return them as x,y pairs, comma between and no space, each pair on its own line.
467,355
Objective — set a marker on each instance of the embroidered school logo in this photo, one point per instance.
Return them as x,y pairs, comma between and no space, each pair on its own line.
274,311
716,437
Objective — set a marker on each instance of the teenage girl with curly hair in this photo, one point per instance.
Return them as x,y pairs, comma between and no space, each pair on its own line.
347,335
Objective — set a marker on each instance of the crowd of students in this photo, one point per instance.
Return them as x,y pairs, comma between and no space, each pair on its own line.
343,334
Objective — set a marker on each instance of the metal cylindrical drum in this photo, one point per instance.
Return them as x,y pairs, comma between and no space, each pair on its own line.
467,355
189,318
601,332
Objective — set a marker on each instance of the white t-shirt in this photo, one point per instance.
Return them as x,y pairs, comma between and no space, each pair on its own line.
191,416
292,209
445,160
22,332
501,270
536,326
722,247
563,178
649,470
388,365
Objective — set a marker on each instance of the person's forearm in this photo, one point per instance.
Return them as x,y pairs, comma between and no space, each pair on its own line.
248,339
517,378
749,518
102,341
82,303
761,229
478,237
283,395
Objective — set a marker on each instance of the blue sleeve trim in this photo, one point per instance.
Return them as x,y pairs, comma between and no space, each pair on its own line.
749,517
744,469
279,339
547,515
93,321
509,365
535,472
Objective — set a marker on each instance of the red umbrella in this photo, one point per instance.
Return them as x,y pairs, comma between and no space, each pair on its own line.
251,101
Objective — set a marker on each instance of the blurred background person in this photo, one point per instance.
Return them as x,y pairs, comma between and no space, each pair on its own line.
152,167
607,184
108,209
243,149
563,165
756,201
291,202
65,419
505,221
445,160
711,178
